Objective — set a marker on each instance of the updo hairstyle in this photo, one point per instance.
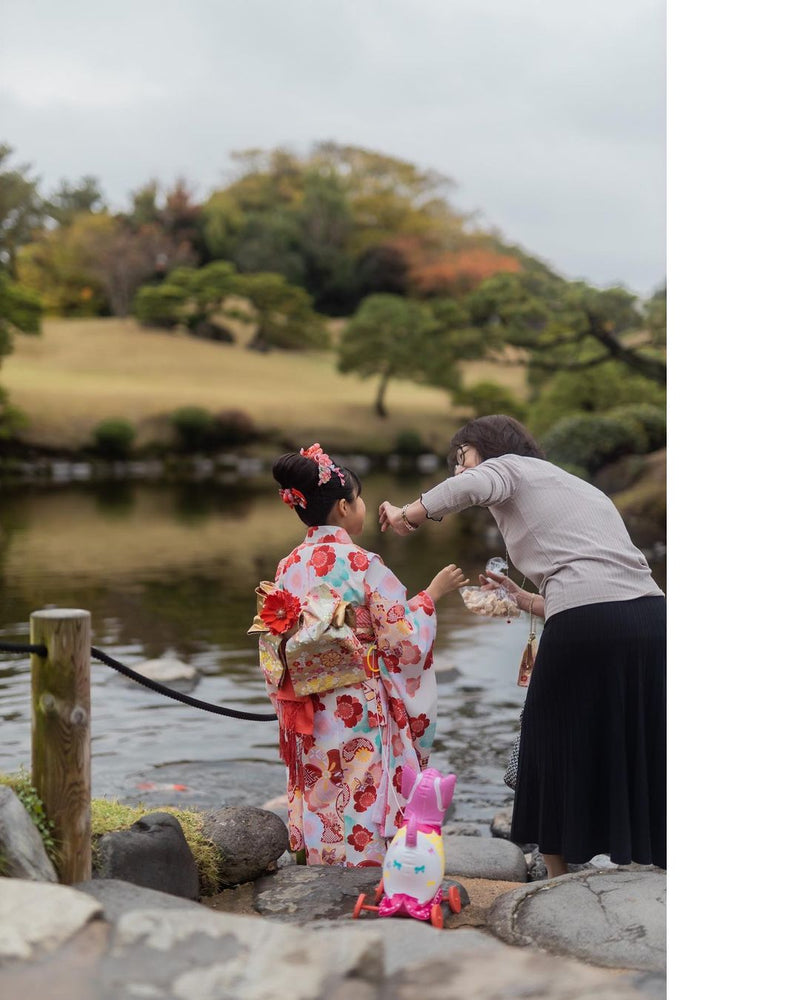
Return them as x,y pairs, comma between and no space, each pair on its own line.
494,436
294,471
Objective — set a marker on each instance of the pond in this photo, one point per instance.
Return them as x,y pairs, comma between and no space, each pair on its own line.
170,571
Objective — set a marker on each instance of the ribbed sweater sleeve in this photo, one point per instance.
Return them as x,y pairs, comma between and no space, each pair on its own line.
490,483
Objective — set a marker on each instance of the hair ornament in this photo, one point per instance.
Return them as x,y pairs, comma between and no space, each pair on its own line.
325,463
293,498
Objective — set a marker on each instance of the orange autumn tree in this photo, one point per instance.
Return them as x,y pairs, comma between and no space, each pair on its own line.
437,270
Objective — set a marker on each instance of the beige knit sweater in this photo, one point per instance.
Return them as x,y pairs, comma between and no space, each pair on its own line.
566,536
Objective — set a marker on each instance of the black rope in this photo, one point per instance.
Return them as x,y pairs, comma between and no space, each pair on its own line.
19,647
98,654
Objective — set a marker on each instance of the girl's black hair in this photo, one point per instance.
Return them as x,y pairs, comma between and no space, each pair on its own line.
293,471
494,436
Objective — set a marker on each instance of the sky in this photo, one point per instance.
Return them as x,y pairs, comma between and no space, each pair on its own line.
548,117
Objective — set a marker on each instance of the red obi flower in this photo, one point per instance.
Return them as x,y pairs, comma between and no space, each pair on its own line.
360,838
349,710
280,611
322,559
358,560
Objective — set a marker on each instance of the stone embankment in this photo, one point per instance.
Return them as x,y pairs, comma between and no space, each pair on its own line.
287,930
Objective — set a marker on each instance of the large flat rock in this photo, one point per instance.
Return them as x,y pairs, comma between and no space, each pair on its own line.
38,917
607,917
484,857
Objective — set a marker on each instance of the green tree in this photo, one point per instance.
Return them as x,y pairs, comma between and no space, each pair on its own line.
20,312
568,327
21,210
71,200
392,337
284,314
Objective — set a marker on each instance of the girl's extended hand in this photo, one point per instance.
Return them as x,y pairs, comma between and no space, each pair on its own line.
522,599
446,580
392,517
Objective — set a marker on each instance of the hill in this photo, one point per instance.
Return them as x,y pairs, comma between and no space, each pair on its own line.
81,371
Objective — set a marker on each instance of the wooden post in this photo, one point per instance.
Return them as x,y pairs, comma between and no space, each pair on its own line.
60,737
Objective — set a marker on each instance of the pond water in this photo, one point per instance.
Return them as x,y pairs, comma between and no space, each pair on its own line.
170,571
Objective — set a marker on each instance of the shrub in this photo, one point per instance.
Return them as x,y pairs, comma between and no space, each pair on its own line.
234,427
159,306
194,427
408,442
113,438
590,442
486,398
651,419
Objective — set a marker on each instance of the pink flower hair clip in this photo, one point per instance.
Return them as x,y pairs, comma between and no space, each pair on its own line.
293,498
326,466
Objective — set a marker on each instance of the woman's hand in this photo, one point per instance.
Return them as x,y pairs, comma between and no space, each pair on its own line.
446,580
392,517
523,600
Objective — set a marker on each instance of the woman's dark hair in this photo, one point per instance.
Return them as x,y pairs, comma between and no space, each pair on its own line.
494,436
294,472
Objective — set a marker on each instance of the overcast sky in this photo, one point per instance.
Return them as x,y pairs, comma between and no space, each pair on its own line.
548,116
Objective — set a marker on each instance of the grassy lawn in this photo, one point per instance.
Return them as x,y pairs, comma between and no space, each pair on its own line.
79,372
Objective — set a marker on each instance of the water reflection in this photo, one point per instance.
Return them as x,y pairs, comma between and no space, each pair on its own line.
172,570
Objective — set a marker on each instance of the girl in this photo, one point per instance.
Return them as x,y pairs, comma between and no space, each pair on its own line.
345,748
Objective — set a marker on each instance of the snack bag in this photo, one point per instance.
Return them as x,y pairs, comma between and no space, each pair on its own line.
492,603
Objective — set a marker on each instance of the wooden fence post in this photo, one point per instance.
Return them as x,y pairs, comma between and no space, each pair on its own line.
60,736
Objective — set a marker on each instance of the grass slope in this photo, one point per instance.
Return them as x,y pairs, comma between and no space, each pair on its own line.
79,372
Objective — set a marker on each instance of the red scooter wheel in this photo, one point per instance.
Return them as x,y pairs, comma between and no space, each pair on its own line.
437,917
454,899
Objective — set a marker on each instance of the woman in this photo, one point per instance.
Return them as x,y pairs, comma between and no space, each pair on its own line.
592,758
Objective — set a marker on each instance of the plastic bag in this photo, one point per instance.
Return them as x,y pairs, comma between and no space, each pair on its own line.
496,603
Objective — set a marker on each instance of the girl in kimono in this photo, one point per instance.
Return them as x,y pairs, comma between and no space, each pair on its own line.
345,748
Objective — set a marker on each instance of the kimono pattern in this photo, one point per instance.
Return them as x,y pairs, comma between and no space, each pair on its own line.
344,785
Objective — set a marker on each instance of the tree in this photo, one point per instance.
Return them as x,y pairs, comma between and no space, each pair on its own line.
392,337
283,313
20,312
21,210
71,200
570,327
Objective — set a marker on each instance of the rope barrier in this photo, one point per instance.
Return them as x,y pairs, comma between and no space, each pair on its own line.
98,654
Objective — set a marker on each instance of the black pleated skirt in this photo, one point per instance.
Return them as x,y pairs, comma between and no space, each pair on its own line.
592,755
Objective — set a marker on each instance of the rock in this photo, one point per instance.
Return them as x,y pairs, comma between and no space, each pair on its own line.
481,857
502,973
154,854
203,955
605,917
251,841
37,917
304,893
461,828
117,897
21,848
501,827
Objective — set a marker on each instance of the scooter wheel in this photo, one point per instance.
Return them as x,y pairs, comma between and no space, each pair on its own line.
437,917
454,899
359,905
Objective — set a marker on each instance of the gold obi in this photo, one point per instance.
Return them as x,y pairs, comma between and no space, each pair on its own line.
321,652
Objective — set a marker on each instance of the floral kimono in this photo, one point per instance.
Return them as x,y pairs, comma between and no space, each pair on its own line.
345,748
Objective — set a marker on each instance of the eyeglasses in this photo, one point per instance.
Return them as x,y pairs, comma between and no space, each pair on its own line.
461,457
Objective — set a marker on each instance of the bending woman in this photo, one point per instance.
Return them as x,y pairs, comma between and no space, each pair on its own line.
592,757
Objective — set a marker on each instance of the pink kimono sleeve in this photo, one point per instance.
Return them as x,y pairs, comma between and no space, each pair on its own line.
404,634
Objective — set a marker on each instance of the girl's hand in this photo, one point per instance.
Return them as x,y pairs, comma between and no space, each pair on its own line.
523,600
446,580
392,517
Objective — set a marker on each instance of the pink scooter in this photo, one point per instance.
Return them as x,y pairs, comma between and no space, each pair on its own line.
413,868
